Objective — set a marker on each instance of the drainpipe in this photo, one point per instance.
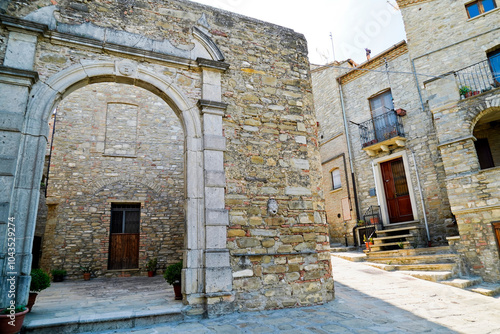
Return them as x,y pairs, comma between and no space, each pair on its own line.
349,151
421,199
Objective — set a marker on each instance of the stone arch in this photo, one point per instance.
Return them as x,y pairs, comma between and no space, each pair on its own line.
46,95
484,129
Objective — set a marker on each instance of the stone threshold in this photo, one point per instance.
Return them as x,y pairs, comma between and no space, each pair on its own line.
105,321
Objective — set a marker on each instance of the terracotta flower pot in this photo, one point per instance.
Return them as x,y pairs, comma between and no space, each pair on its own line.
177,291
31,300
86,276
151,273
6,328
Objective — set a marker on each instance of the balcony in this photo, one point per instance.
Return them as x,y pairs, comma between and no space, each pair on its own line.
382,133
476,79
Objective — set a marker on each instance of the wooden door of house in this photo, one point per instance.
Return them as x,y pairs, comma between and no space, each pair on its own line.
496,230
396,191
124,236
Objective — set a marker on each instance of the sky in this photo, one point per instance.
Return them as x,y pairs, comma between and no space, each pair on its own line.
354,24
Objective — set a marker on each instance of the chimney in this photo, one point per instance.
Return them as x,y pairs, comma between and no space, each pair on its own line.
368,52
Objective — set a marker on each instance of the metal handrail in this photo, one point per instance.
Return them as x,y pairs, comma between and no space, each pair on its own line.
380,128
476,78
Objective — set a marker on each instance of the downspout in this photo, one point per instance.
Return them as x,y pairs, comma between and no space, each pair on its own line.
421,199
349,151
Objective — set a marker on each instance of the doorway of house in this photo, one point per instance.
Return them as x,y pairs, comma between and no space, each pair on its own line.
397,195
124,236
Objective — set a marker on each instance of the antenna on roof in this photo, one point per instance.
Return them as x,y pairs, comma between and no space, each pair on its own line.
333,48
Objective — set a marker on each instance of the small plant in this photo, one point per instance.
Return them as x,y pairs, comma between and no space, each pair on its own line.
361,222
87,268
40,280
370,240
172,273
463,90
152,264
58,272
401,245
18,309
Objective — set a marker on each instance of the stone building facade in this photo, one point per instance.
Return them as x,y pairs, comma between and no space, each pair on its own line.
447,144
255,235
412,145
463,55
114,144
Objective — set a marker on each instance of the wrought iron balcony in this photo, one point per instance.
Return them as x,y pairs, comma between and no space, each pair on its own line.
381,132
476,79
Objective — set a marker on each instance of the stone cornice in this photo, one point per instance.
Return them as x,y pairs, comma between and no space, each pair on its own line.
29,77
20,24
221,106
377,61
212,64
408,3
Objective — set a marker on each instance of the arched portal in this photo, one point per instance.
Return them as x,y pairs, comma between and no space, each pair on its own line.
198,262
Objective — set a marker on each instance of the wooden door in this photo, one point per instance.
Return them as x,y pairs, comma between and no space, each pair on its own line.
124,237
496,229
396,191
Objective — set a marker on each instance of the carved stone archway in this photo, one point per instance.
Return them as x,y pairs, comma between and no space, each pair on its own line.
207,276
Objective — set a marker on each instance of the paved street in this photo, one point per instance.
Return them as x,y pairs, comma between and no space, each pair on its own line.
368,300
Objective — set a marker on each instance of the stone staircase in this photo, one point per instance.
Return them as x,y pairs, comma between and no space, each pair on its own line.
397,238
436,264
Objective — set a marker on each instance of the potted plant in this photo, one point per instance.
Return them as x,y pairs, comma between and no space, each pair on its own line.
172,275
58,275
151,266
87,272
361,223
40,280
465,91
400,112
374,220
11,319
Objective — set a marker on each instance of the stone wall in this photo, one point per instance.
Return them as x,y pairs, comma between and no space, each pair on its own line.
242,88
421,141
334,153
439,50
100,158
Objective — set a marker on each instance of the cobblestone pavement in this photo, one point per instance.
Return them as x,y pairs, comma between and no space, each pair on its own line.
368,300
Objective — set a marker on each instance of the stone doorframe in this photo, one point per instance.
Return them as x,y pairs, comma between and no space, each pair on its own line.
207,275
379,186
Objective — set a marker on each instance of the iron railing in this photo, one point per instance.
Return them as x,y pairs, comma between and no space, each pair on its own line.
477,78
381,128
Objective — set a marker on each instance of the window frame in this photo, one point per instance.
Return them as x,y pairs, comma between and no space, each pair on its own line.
379,96
336,170
480,7
123,208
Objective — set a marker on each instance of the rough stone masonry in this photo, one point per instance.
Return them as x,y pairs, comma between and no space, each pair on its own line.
242,93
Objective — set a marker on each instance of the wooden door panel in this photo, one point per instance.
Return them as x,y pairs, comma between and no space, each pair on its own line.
124,251
396,191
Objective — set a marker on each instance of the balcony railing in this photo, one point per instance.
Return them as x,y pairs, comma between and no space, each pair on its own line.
381,128
476,79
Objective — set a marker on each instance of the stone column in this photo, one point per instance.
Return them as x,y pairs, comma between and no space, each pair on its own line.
218,273
22,149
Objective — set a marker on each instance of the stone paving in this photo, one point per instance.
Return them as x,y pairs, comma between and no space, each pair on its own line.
368,300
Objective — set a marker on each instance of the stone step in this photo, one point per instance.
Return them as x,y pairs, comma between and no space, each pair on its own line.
103,321
433,276
399,229
391,237
416,259
350,256
376,248
438,267
339,248
463,282
487,289
410,252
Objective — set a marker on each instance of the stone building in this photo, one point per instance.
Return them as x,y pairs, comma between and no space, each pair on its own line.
463,99
235,174
385,146
433,165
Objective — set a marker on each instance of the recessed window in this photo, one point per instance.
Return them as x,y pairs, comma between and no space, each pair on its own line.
336,181
479,7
